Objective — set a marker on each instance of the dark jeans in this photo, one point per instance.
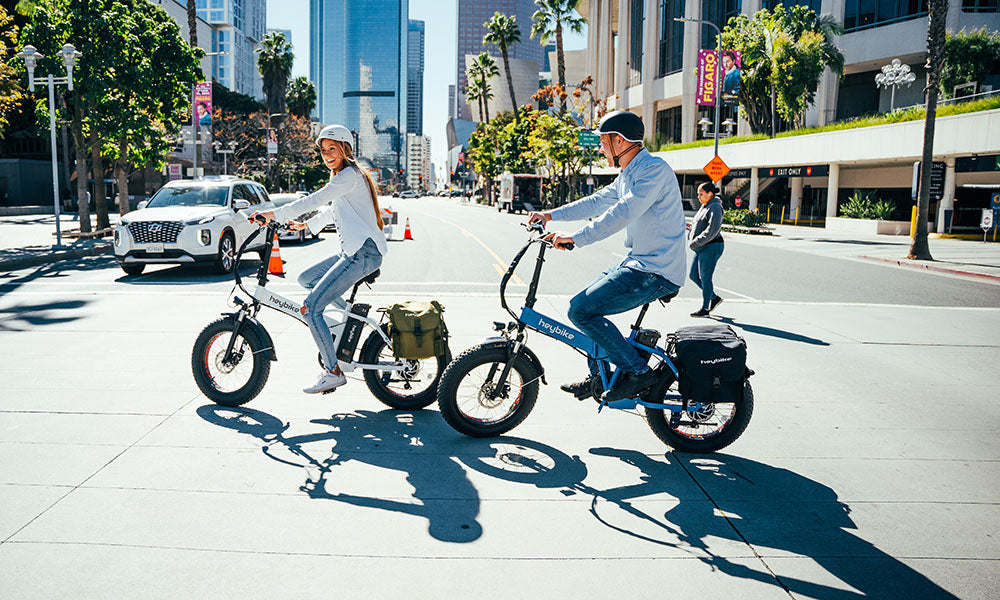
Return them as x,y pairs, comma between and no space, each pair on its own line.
702,269
619,289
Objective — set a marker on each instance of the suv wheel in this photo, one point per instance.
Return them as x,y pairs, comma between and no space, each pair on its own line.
225,260
134,269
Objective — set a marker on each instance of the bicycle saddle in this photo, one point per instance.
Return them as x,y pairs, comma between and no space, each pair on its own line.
669,297
370,279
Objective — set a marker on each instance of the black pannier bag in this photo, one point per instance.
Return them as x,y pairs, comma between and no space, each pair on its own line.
712,362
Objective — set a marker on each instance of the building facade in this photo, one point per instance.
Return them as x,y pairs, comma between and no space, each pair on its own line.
358,53
238,26
418,162
415,78
472,14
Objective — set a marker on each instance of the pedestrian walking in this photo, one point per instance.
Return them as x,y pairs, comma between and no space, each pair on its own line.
707,243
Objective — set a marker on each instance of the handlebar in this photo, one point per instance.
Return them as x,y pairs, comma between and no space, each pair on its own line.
271,228
539,227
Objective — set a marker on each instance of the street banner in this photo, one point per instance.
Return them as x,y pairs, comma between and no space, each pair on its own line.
272,141
707,72
203,104
174,172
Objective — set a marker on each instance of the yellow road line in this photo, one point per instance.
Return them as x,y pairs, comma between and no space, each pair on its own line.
498,265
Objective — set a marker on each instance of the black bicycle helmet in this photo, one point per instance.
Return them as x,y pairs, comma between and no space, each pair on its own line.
626,124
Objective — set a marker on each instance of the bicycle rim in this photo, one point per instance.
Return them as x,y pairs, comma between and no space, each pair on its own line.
228,378
478,398
417,377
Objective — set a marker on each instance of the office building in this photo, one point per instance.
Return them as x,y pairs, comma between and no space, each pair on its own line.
418,162
472,14
524,74
415,78
358,53
237,29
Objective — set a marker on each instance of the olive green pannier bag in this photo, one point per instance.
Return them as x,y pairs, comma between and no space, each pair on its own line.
417,329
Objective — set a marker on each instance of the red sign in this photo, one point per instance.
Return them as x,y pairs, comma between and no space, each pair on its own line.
716,169
739,201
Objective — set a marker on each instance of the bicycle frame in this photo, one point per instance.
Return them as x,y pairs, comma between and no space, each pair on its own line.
264,297
536,321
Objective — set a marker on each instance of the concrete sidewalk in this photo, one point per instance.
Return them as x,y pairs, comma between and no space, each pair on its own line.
28,240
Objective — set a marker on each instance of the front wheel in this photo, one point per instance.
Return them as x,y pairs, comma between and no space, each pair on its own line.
238,380
413,388
475,402
712,428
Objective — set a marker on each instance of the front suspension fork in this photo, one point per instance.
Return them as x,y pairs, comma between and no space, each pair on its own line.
228,356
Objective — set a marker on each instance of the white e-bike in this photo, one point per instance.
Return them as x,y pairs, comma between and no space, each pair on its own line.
232,356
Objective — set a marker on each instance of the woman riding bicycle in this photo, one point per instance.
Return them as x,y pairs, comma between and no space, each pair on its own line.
362,243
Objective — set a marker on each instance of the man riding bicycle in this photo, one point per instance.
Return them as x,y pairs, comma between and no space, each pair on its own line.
645,200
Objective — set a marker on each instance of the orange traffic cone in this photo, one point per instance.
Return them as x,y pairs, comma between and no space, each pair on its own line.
406,232
275,266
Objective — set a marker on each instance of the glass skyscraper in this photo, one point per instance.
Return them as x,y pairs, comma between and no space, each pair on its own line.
358,52
237,28
415,78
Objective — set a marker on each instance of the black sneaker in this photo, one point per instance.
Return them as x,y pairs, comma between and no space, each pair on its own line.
629,385
580,389
715,302
701,313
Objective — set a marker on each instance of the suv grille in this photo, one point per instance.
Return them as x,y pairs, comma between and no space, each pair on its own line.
144,232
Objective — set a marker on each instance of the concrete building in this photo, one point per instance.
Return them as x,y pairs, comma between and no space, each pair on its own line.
472,14
642,61
415,78
418,162
358,52
237,29
178,12
525,76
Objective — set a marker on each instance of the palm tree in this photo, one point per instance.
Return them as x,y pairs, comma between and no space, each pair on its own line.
275,63
301,97
484,68
192,14
549,19
503,31
474,91
937,13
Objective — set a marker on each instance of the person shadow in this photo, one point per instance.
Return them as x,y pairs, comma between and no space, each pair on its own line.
782,510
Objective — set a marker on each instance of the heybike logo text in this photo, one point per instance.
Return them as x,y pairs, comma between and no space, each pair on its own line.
282,303
716,361
555,329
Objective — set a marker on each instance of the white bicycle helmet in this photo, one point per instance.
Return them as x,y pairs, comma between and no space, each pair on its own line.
338,133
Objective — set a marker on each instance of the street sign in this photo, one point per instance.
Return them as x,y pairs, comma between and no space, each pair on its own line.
986,221
174,172
716,169
995,201
801,171
739,201
588,139
937,181
590,181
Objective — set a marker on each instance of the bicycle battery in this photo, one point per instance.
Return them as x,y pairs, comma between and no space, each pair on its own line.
352,333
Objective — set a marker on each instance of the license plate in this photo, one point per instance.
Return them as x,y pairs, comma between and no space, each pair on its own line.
152,248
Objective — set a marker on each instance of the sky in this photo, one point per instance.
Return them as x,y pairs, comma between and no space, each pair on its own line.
440,44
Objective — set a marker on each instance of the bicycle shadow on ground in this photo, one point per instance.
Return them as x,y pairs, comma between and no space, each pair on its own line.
10,281
770,331
21,317
782,511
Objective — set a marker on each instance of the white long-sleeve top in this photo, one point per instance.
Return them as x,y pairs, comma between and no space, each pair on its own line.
352,206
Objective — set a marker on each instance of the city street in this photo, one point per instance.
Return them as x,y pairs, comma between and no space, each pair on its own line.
869,469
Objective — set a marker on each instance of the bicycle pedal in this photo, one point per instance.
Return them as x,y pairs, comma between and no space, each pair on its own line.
329,391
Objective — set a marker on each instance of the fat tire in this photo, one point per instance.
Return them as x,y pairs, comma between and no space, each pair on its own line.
658,422
258,377
457,371
369,355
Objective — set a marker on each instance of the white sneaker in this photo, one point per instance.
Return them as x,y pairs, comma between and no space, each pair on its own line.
326,382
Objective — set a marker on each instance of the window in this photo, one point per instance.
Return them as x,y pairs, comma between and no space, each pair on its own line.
983,6
718,12
864,14
635,54
671,37
668,125
813,4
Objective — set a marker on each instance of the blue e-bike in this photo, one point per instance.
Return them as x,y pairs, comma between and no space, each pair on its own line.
491,388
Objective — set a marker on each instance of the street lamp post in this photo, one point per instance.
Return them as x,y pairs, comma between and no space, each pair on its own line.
892,76
225,154
269,117
590,151
30,55
718,69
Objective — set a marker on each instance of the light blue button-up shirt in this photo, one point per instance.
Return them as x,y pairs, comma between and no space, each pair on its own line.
645,200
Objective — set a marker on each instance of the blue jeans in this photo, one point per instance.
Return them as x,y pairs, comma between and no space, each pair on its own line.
702,268
619,289
328,280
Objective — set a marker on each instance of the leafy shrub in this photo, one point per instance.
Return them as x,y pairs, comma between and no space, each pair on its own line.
742,217
866,205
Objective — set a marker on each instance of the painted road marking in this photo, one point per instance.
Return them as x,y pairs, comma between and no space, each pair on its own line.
500,262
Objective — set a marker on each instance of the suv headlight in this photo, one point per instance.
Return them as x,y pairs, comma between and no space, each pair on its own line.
200,220
118,236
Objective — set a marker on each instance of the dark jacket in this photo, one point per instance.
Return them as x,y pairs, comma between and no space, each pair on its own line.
706,227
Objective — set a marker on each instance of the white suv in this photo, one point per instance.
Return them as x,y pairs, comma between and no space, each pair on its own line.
200,221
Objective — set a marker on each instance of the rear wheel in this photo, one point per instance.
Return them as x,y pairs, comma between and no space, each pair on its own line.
234,382
475,402
413,388
711,428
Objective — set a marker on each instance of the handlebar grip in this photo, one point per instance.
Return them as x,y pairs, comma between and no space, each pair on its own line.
569,246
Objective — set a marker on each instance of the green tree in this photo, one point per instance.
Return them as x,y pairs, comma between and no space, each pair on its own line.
275,60
231,102
503,31
11,93
301,97
553,141
969,57
474,91
549,20
937,15
783,55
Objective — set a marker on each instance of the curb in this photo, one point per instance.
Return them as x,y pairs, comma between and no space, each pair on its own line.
910,264
14,264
